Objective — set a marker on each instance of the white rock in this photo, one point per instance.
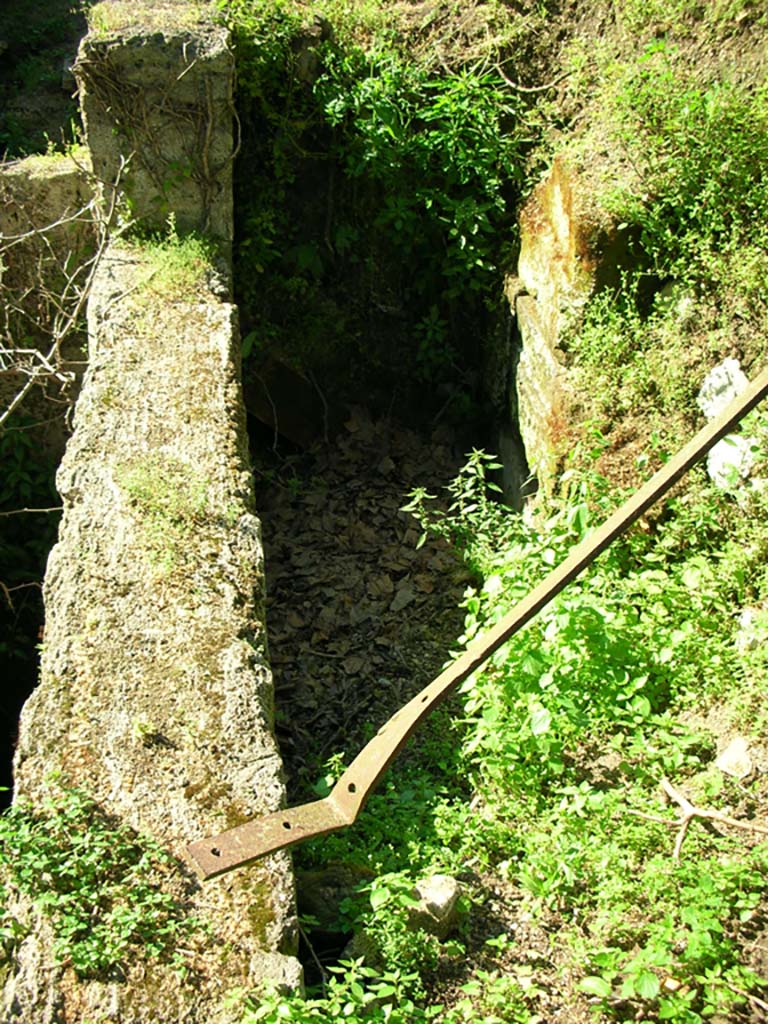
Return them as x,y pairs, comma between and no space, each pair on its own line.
437,911
735,759
753,629
730,461
720,387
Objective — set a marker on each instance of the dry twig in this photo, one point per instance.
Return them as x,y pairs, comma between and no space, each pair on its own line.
689,812
63,304
20,511
755,1000
532,88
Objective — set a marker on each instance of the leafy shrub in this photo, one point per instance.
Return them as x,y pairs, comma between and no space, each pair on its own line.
376,201
699,151
382,914
99,883
686,944
354,993
444,155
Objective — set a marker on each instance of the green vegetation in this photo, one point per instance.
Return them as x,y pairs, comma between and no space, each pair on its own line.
35,39
545,774
177,265
172,499
101,885
698,150
380,176
694,210
563,739
376,197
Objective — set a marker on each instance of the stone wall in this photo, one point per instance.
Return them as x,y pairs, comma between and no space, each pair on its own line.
155,693
46,190
156,83
47,232
556,276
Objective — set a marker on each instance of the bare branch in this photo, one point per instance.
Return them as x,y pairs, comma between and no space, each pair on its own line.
84,214
7,591
21,511
57,309
528,89
689,812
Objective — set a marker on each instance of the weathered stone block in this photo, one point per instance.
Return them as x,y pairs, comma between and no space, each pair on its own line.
156,95
47,237
556,265
155,693
556,269
44,190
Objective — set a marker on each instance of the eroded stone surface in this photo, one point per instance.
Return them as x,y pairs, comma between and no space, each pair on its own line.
438,909
155,694
47,230
156,95
557,267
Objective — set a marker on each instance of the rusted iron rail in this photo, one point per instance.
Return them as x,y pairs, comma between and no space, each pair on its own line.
217,854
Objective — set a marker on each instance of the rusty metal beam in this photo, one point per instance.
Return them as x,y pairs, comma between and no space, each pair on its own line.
218,854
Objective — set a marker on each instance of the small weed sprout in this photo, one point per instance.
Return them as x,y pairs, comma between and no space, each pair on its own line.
171,500
178,264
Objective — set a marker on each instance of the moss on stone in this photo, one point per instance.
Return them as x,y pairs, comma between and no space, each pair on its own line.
169,15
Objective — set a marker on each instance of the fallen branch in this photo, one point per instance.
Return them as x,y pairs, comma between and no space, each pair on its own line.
755,1000
7,591
689,812
20,511
532,88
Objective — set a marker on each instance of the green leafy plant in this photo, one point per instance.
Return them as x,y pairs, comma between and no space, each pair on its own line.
683,963
699,152
383,916
377,197
355,993
102,886
439,148
474,522
492,997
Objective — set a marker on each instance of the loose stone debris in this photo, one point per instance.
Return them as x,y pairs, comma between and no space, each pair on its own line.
438,911
359,617
735,760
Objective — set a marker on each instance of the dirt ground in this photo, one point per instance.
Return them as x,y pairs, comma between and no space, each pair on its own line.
359,617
